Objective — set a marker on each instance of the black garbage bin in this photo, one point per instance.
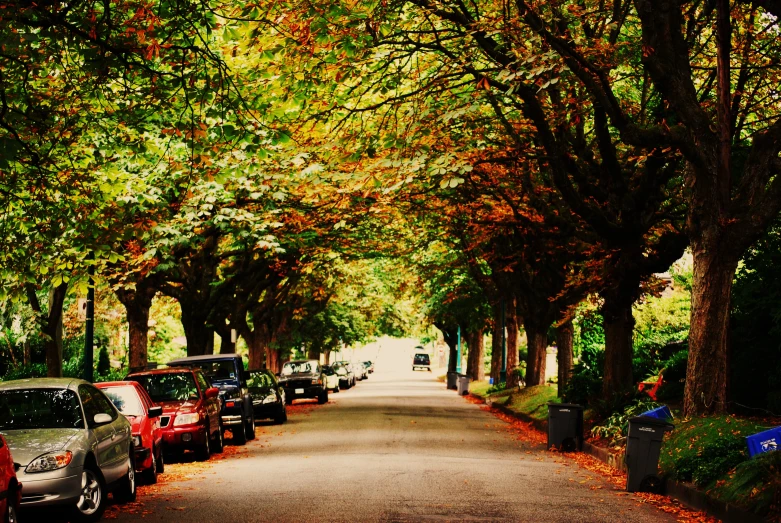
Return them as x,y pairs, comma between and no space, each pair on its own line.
452,380
643,445
565,426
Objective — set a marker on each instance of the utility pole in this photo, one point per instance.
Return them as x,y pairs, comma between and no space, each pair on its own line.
89,324
458,361
503,371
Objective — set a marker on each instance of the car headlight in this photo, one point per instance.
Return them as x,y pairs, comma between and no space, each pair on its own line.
137,441
187,419
50,461
270,399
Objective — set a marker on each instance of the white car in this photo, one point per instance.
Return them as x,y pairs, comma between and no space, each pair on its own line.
331,378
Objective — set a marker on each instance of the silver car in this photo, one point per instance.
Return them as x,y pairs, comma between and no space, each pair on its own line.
70,444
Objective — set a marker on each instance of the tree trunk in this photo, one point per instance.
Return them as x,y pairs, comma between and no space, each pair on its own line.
619,331
138,330
196,331
53,331
452,363
512,345
706,374
273,360
28,356
226,345
474,366
564,335
537,354
496,344
327,359
313,353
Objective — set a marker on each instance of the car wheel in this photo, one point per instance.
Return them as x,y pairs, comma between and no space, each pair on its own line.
239,434
322,397
282,416
250,428
219,441
150,475
92,498
203,453
160,462
336,389
10,513
126,491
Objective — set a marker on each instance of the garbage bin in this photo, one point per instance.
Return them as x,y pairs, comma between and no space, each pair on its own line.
463,385
451,380
643,445
565,426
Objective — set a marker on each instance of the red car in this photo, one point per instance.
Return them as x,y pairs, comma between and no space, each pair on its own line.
10,489
191,409
134,403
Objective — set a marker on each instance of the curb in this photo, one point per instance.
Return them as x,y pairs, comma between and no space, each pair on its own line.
686,495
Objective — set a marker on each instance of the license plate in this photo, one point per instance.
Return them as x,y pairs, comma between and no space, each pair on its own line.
299,391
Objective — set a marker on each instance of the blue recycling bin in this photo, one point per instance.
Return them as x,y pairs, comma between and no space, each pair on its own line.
766,441
662,413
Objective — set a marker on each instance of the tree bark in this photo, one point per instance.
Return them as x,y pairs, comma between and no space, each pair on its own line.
512,345
619,324
537,337
706,374
564,339
226,345
273,360
474,366
496,346
327,359
137,303
51,326
196,331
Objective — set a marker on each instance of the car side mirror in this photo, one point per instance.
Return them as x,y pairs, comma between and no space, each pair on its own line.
102,418
212,392
155,412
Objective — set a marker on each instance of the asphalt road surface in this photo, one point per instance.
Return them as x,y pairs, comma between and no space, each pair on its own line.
398,447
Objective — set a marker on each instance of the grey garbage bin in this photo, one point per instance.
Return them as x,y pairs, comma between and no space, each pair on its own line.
463,385
643,445
565,426
451,380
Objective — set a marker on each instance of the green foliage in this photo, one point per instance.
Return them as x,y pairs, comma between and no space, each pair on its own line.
714,460
754,484
616,426
585,383
104,364
497,387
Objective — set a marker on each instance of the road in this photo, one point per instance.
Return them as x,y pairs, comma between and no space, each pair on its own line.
398,447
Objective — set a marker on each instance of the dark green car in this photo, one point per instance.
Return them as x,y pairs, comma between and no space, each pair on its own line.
268,397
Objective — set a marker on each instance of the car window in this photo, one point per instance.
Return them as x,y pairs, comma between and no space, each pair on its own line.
203,383
95,403
295,367
40,409
258,380
218,370
126,400
421,358
328,371
179,386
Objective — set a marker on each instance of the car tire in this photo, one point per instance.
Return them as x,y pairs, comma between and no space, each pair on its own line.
281,417
250,428
219,441
92,501
239,434
126,490
10,513
203,453
149,476
337,389
322,398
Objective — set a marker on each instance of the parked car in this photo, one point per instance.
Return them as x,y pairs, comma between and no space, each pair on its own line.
303,379
10,488
70,443
268,396
369,366
331,378
191,409
130,398
421,360
345,373
226,372
360,371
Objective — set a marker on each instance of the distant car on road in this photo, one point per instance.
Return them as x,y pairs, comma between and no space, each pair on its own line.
303,379
268,397
369,366
345,373
421,360
10,489
226,372
191,409
70,443
331,378
130,398
360,370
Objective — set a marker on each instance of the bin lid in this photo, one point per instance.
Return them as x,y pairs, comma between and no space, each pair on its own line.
654,422
565,405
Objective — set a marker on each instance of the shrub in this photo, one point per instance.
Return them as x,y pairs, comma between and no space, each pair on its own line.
715,459
104,364
615,427
499,387
585,383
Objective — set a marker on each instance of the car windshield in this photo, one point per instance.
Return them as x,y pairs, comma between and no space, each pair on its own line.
218,370
126,400
421,358
295,367
40,409
168,386
258,381
328,371
367,364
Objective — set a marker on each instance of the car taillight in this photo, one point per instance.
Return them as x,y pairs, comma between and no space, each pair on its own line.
230,403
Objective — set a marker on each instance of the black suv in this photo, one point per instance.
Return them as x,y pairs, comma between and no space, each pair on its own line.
226,372
268,396
303,379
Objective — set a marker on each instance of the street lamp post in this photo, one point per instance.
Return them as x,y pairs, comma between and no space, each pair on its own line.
89,325
458,360
503,371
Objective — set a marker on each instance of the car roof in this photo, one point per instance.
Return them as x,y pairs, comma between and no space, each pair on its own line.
303,361
174,370
43,383
205,357
128,383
